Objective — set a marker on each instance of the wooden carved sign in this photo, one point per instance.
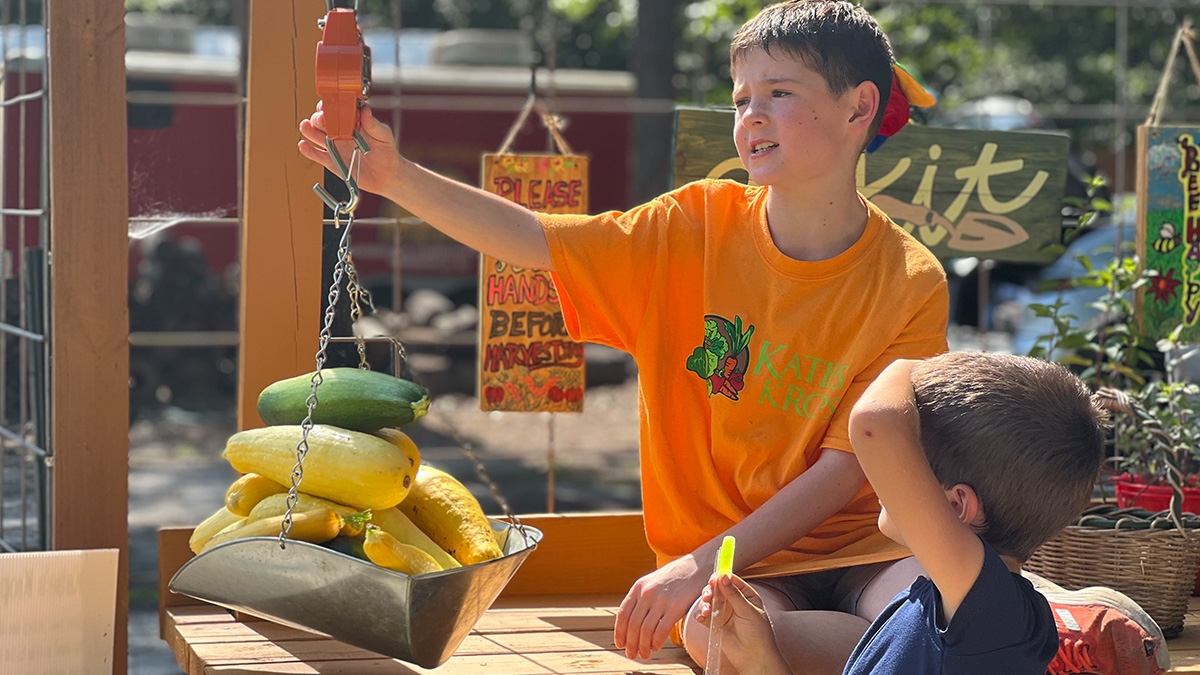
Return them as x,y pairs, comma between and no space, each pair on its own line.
1169,229
527,362
963,193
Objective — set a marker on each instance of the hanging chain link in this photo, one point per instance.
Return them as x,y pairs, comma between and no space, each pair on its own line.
355,292
306,426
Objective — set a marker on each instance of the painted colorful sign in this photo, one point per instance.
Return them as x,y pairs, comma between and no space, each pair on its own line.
1169,229
962,193
527,362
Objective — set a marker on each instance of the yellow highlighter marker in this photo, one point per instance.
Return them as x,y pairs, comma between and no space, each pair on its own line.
724,566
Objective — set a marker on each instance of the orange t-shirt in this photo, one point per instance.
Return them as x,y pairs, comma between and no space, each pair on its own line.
749,361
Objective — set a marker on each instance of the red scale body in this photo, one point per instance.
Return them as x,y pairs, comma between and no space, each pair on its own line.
343,74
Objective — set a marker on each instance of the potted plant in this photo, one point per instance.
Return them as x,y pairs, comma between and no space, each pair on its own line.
1148,473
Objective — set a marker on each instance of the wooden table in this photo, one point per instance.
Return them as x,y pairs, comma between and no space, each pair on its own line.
527,631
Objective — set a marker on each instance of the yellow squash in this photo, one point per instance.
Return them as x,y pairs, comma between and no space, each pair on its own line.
248,491
211,526
399,526
276,505
446,510
317,526
347,467
383,550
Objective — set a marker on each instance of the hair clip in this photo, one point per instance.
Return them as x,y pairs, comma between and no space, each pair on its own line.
906,92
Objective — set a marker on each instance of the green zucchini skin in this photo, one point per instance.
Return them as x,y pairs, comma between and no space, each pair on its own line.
351,546
350,398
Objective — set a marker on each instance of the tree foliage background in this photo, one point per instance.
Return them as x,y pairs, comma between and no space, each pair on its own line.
1050,55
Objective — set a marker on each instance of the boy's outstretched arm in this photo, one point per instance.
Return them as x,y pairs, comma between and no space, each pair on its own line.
479,219
886,433
661,598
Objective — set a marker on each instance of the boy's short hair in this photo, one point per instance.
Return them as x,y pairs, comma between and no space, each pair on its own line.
1025,434
836,39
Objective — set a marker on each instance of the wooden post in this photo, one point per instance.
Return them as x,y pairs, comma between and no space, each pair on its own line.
89,321
281,218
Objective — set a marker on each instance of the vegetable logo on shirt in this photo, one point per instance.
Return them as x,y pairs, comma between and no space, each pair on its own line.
723,358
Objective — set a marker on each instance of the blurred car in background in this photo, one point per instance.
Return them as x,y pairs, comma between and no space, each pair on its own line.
1099,246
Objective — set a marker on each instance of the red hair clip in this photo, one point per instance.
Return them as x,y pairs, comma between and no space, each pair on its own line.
906,92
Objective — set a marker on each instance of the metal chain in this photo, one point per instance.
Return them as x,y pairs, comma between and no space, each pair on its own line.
355,291
306,426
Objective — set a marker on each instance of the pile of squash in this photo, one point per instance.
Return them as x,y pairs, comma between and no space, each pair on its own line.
364,491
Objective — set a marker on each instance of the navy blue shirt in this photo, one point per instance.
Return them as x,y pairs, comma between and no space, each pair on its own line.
1002,627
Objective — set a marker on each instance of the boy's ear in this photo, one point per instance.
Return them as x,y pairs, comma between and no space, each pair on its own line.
966,505
866,101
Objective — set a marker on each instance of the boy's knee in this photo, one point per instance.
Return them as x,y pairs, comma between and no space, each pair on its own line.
692,635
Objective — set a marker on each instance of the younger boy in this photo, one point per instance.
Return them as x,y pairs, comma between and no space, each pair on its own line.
977,460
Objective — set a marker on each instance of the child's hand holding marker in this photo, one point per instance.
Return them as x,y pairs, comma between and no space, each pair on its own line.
738,626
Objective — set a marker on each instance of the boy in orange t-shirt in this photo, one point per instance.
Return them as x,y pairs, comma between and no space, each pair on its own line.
757,316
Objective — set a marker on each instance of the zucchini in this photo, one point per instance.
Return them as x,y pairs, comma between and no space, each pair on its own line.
248,491
317,527
350,398
446,510
399,526
383,550
276,505
347,467
211,526
351,546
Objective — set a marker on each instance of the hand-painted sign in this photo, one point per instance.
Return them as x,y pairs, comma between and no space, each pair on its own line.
527,362
986,194
1169,229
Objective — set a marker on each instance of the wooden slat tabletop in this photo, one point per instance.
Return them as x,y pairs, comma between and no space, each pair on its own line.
570,635
565,636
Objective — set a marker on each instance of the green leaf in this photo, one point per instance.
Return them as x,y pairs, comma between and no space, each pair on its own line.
714,341
702,362
1074,342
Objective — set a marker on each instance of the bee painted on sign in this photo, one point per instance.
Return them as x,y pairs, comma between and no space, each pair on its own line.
1169,229
527,361
962,193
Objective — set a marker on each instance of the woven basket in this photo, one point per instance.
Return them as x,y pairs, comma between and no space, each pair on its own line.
1154,567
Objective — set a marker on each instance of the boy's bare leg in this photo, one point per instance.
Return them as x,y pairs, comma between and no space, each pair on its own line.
880,590
812,642
816,642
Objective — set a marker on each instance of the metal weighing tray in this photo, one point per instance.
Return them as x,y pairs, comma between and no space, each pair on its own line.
420,619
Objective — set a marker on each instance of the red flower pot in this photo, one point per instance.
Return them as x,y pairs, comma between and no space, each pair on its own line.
1130,492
